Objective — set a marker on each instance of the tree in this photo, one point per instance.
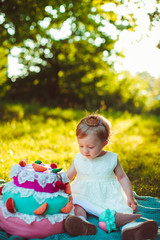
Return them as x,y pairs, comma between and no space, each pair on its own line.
65,47
3,71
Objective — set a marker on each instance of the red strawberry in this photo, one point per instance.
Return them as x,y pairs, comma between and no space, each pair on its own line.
60,185
1,190
10,205
23,162
53,165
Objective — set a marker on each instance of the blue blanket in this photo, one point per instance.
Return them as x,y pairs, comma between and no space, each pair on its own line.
149,207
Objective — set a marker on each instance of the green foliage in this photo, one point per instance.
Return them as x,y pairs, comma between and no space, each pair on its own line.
48,134
66,51
3,71
66,48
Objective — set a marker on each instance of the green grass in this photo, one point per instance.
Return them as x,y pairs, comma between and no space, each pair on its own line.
48,134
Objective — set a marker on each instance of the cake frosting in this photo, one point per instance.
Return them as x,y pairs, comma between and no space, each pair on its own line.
38,193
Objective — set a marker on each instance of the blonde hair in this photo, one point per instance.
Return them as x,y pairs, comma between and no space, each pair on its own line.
94,124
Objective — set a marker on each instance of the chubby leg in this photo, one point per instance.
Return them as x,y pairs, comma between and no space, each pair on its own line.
89,207
79,211
130,230
110,220
78,225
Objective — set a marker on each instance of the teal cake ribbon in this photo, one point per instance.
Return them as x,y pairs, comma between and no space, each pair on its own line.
108,216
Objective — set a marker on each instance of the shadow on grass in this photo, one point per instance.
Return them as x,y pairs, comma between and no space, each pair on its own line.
9,112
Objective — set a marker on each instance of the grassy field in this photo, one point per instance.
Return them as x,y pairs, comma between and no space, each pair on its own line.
48,134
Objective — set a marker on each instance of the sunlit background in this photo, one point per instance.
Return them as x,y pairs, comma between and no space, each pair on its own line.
64,54
140,50
59,58
141,47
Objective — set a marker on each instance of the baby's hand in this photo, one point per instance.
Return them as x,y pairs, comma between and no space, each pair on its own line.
132,203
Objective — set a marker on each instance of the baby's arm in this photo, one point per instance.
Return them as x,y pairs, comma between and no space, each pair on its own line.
71,172
126,185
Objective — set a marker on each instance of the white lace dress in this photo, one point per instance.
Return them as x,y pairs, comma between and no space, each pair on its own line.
96,187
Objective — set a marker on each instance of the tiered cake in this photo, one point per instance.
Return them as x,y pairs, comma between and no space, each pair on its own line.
36,201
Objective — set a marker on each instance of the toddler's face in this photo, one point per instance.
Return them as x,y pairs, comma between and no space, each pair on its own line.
91,146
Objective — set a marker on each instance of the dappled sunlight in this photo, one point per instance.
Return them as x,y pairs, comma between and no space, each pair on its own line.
44,135
48,134
133,141
122,125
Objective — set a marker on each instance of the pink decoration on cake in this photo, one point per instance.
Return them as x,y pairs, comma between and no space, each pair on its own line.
47,218
49,188
38,229
60,185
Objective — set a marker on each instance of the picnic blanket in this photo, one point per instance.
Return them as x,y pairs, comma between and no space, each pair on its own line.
149,207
